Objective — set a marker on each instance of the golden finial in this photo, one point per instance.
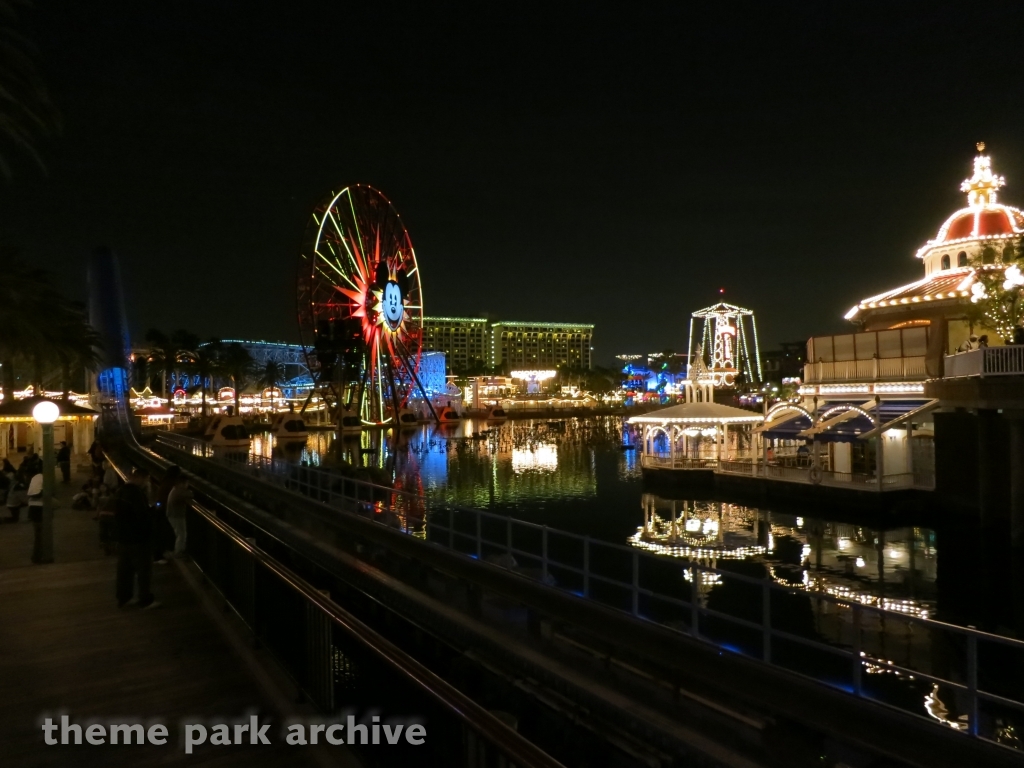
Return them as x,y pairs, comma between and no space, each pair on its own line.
981,187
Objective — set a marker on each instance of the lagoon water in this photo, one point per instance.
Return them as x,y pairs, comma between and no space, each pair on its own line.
583,476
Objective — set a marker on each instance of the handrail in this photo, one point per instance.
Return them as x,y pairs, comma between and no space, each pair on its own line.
448,537
627,549
509,741
522,751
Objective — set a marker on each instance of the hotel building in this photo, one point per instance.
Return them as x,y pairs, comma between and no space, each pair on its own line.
536,346
462,339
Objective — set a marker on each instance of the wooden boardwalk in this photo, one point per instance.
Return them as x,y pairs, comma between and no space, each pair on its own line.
65,648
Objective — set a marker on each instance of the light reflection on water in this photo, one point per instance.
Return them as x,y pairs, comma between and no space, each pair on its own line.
582,476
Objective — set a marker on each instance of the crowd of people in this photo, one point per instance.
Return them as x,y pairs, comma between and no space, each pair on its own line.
142,520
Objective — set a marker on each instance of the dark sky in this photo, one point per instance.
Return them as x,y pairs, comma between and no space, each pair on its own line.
613,164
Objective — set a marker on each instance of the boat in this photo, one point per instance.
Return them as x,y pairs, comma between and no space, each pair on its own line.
288,427
496,413
448,415
227,431
407,418
349,421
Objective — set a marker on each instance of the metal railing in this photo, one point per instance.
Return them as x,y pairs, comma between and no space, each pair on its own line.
990,361
850,642
752,467
873,369
677,462
327,650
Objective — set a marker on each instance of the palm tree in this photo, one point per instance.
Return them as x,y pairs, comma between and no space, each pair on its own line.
40,326
237,363
26,295
271,376
163,355
26,112
205,363
76,345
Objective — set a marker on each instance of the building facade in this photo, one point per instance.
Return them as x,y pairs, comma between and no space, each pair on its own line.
533,346
465,341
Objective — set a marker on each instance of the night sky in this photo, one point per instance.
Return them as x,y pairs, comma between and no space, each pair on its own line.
551,161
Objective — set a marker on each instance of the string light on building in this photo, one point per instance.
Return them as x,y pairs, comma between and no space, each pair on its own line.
724,344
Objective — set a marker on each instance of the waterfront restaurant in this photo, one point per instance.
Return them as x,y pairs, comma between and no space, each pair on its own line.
696,436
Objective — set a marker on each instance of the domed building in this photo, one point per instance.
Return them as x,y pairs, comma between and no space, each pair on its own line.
864,405
985,235
896,404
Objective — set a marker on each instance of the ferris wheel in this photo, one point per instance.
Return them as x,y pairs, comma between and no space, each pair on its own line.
360,304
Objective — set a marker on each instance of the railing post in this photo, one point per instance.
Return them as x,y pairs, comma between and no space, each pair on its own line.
544,553
694,605
766,622
636,583
586,566
855,644
479,539
972,685
319,657
508,535
451,527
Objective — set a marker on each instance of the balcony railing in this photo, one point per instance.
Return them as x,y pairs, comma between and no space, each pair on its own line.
990,361
875,369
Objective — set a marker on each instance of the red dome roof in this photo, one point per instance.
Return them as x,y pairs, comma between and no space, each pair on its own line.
988,221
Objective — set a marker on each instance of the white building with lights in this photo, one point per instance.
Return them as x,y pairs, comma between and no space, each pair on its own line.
871,383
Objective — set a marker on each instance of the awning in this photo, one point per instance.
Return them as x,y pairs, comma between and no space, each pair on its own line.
908,416
829,423
848,425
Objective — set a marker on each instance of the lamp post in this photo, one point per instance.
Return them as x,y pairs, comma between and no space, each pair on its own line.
45,413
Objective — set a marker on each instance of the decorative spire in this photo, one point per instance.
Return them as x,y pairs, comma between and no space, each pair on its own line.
981,187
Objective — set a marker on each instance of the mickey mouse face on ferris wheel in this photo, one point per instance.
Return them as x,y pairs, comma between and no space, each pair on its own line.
392,305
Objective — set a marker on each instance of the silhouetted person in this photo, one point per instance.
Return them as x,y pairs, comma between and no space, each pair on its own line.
178,502
35,514
64,461
133,524
1018,335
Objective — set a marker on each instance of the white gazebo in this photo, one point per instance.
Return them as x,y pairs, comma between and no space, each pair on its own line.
696,435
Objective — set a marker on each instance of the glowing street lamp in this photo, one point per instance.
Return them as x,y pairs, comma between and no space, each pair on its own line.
45,413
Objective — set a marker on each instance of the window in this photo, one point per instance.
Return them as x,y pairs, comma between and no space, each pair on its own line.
945,261
988,256
1008,254
961,259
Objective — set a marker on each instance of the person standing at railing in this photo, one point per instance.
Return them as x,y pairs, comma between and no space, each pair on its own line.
163,532
983,341
178,502
134,530
967,346
1018,335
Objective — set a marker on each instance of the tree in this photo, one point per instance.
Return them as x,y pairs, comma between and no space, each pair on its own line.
237,363
205,363
26,111
271,376
163,355
997,301
75,344
25,296
40,326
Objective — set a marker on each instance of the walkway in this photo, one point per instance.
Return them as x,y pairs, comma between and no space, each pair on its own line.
65,648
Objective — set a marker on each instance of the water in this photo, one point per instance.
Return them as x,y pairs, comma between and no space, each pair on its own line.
580,475
583,476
